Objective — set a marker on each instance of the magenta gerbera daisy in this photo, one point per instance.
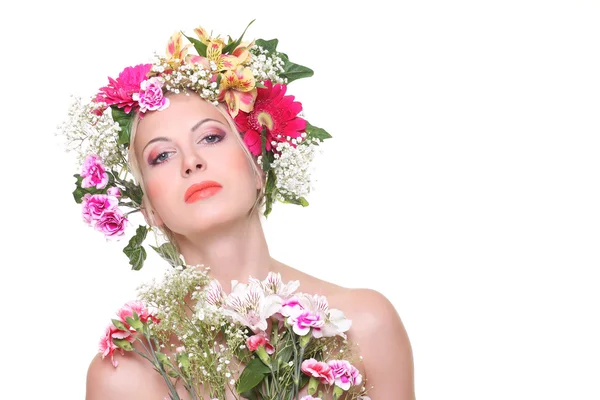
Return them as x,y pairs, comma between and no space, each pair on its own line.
119,91
274,111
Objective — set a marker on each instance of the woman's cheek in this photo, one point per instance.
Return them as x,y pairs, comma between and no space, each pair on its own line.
154,189
240,164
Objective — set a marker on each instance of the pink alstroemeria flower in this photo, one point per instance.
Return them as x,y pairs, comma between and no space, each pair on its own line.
93,172
309,397
345,374
318,369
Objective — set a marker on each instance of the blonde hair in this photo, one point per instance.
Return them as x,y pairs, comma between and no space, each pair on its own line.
138,177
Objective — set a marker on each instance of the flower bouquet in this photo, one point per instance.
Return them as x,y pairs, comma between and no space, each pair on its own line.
263,340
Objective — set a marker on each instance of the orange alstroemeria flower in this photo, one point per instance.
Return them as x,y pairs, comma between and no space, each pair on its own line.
214,52
238,89
175,48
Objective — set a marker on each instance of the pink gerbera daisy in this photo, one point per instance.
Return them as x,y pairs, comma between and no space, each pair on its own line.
119,91
274,111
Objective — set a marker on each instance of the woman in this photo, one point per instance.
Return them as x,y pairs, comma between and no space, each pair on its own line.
202,171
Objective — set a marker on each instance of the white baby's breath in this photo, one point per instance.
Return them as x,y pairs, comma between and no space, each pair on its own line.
86,133
293,167
266,65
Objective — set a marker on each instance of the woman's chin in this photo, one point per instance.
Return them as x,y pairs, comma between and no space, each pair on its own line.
207,219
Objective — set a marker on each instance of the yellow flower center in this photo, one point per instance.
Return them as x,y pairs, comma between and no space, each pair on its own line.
265,120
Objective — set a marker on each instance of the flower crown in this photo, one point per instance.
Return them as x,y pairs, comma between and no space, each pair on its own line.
250,78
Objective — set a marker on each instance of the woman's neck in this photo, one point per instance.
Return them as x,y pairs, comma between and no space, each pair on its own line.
235,251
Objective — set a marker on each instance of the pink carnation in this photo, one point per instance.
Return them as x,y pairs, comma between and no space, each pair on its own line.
111,223
120,91
309,397
255,341
150,97
345,374
106,345
94,205
302,322
140,309
318,369
93,172
114,191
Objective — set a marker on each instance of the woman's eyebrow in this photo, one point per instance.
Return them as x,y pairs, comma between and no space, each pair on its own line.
196,126
156,139
203,121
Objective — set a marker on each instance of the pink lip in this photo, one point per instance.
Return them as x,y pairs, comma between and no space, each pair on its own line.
202,190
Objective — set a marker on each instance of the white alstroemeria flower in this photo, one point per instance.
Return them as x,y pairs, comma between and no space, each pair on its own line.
215,295
249,305
312,312
274,285
336,324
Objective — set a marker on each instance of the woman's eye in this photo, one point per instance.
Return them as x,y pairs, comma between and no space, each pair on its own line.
210,139
161,157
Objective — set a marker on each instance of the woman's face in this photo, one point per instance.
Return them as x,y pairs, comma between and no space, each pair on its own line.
182,148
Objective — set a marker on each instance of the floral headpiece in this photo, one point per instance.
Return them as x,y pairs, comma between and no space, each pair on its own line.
250,78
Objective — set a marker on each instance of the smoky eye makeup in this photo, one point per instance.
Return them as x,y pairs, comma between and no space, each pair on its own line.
158,156
211,135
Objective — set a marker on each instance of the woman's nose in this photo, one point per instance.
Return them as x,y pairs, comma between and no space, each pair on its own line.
192,162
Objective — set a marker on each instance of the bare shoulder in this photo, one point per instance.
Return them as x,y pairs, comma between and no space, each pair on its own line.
388,360
128,380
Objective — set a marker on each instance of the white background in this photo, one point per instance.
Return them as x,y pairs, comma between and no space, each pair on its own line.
462,181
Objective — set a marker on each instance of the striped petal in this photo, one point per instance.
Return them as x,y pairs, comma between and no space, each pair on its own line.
214,50
246,100
228,62
202,35
175,47
195,59
232,102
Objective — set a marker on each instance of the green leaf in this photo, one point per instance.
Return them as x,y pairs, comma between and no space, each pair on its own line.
295,71
250,395
315,132
124,120
270,45
198,45
134,249
184,361
300,201
265,160
269,192
79,192
119,324
162,358
123,344
169,253
284,355
231,46
135,323
253,374
304,380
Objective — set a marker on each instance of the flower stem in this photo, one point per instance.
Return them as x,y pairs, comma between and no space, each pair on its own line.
160,368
